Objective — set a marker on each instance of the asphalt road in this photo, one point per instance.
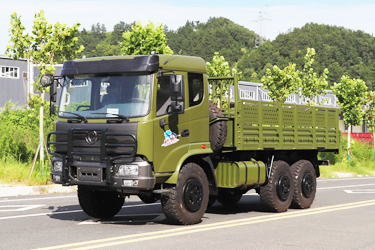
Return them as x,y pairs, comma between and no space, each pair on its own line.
342,217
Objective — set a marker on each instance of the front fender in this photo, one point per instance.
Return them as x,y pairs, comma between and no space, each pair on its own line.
194,149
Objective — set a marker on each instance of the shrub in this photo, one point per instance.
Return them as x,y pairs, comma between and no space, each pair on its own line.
19,130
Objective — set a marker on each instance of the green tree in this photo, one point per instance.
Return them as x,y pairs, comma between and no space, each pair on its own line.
219,67
281,83
341,50
350,94
118,30
46,46
142,40
218,34
312,85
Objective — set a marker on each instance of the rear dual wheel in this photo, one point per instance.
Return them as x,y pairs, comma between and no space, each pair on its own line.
304,184
277,194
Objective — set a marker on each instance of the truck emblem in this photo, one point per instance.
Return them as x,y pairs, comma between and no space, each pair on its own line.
169,138
91,137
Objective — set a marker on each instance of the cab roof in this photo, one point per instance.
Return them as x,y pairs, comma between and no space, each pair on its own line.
134,64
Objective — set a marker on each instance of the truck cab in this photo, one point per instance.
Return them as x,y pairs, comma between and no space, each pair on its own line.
126,124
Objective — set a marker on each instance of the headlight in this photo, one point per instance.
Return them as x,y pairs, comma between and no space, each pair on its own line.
56,178
57,166
128,170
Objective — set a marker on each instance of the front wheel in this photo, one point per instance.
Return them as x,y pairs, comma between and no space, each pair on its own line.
99,204
186,203
277,194
304,184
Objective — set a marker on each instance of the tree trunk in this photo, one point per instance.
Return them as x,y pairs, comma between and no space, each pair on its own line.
349,130
41,111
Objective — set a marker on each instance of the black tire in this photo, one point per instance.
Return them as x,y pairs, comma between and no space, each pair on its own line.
186,203
99,204
228,197
304,184
218,130
148,197
277,194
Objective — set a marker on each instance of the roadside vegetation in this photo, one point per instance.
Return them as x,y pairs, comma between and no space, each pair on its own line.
19,137
362,162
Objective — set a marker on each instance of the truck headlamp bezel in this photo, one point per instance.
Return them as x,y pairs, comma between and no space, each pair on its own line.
57,166
128,170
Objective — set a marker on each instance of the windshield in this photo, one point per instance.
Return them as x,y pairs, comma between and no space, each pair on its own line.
93,96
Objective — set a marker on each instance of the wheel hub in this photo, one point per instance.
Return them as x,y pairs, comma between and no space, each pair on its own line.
283,187
307,184
193,194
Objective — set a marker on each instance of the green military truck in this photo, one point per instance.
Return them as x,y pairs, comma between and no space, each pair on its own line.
144,125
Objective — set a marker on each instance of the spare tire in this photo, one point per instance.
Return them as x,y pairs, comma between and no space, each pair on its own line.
218,129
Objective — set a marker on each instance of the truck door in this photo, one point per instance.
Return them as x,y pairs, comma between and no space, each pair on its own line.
169,145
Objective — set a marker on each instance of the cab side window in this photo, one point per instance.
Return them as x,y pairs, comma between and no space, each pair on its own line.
195,89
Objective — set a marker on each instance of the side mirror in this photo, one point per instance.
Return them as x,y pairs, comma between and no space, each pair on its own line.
46,80
176,88
53,109
177,94
53,91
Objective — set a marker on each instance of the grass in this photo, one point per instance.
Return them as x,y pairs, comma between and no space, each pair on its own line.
14,172
362,161
365,168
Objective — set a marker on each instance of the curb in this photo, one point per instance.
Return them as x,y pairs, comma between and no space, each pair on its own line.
6,191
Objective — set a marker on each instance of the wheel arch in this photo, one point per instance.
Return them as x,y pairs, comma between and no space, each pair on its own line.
292,157
205,162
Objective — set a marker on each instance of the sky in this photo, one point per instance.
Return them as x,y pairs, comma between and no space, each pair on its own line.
278,16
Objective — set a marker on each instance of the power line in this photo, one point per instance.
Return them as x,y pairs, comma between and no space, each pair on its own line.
260,37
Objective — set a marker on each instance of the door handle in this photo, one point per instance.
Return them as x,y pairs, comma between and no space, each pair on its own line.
185,133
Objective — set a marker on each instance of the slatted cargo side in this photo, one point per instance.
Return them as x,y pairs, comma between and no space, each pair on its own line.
265,125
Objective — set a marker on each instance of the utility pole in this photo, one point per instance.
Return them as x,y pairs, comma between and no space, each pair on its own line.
260,38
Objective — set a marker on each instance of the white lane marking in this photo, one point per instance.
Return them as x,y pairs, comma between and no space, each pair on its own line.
247,194
89,223
64,212
18,208
361,185
36,199
360,191
346,179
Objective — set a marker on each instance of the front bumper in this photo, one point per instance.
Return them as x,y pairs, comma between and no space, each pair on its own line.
104,174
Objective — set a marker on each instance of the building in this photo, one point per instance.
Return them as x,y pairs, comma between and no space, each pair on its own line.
16,79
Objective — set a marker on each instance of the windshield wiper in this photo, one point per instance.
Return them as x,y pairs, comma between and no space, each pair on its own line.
120,117
80,117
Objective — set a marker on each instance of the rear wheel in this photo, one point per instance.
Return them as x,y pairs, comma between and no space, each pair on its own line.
99,204
187,202
228,197
277,194
304,184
